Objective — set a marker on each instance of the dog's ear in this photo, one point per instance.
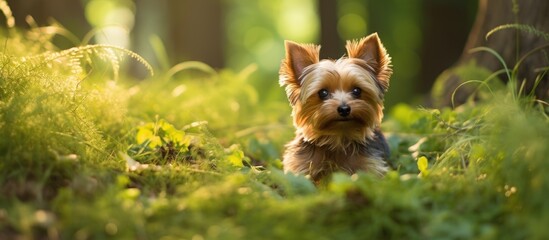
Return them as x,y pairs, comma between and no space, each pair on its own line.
298,57
371,50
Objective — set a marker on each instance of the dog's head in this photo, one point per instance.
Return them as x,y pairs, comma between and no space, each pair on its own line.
337,100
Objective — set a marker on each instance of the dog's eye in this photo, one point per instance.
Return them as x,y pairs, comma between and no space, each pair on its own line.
323,94
356,92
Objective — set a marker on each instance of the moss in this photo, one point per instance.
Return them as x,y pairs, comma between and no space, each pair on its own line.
196,156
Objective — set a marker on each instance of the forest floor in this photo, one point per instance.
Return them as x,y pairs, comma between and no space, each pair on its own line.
194,153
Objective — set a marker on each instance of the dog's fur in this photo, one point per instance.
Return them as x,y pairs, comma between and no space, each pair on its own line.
337,108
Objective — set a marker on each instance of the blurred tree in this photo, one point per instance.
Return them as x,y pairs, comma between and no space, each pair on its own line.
332,46
151,35
196,29
511,44
69,13
399,26
191,30
187,29
443,37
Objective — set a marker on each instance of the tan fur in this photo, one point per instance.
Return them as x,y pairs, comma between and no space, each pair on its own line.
298,56
371,50
326,141
317,162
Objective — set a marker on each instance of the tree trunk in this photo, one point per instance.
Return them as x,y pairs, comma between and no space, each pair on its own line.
197,31
511,44
332,46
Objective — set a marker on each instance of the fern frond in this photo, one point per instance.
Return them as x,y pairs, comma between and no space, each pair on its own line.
522,27
105,52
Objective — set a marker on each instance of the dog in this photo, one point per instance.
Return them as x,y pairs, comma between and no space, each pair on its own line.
337,108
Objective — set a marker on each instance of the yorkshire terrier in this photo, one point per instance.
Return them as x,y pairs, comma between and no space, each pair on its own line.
337,107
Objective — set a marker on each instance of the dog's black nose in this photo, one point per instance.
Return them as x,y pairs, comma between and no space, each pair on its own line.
344,110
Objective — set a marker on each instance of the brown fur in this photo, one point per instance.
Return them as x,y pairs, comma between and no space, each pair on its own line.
326,141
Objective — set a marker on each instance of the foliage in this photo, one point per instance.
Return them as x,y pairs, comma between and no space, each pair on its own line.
525,28
193,153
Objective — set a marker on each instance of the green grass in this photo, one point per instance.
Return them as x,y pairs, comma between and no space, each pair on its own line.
194,153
